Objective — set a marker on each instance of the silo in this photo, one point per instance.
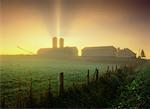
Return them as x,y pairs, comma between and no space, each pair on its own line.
54,43
61,43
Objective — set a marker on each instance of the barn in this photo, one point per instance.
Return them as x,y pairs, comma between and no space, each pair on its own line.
102,51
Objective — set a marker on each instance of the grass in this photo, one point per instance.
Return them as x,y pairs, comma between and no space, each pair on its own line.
121,90
136,93
16,70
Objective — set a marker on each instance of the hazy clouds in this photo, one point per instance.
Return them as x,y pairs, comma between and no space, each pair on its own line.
124,20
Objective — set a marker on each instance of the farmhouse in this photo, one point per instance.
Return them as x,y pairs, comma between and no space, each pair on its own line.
126,53
107,51
103,51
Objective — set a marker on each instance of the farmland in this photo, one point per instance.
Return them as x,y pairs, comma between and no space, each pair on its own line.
16,70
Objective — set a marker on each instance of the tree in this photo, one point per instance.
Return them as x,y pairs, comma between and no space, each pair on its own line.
143,53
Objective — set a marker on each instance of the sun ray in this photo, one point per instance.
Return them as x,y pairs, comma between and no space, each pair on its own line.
58,17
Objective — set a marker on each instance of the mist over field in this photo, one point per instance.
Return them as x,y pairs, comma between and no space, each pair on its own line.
40,69
15,70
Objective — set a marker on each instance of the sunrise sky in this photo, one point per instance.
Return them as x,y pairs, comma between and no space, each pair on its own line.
32,23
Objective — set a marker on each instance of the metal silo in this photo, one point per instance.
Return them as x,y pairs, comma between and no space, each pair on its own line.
61,43
54,43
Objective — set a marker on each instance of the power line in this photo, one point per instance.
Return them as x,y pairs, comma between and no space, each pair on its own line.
24,50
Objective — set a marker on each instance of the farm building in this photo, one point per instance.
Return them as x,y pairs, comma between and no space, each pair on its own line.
104,51
125,53
60,51
107,51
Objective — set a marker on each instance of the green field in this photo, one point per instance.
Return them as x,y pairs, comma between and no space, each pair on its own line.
15,70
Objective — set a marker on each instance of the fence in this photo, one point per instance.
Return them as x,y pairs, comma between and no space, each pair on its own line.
20,100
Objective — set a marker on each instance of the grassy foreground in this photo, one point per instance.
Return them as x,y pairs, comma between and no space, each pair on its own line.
17,71
121,88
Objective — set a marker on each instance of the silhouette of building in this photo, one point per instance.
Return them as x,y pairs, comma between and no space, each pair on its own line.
108,51
58,52
61,43
100,51
104,51
126,53
54,43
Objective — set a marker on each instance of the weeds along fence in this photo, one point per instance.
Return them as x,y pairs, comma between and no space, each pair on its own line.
26,97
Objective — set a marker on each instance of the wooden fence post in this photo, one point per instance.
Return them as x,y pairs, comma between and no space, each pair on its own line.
49,96
19,98
112,68
96,74
107,69
30,94
88,77
49,87
116,68
3,102
61,79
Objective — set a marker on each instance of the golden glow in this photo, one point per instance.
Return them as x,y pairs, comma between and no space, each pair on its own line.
27,28
58,17
26,33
